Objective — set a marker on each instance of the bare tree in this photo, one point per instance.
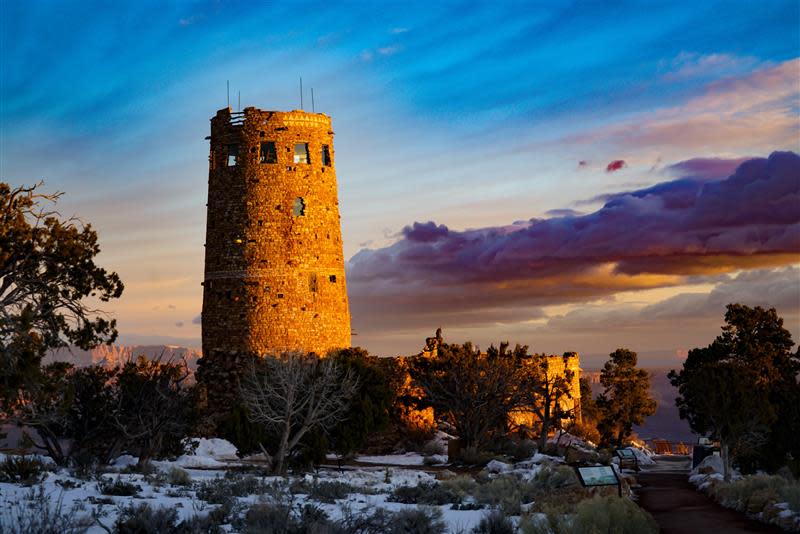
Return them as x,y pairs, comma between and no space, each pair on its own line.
295,393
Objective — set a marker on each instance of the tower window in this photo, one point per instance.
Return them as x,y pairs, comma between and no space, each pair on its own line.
332,278
326,155
299,208
301,153
269,154
312,282
233,155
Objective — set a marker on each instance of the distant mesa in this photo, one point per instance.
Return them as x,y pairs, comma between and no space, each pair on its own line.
113,355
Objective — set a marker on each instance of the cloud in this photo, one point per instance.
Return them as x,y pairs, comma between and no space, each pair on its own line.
563,212
690,65
389,50
583,163
739,114
771,288
706,168
615,165
179,324
171,306
661,236
198,319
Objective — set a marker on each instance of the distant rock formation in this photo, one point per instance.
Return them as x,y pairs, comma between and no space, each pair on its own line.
113,355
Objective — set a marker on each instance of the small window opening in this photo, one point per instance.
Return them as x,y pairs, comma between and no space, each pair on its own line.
312,282
301,153
229,294
266,289
299,208
326,156
280,295
261,222
332,278
233,155
269,154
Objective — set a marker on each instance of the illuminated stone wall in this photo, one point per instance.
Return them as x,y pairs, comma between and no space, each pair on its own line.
274,267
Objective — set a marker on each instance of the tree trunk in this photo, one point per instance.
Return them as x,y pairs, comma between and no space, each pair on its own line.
280,457
726,462
545,425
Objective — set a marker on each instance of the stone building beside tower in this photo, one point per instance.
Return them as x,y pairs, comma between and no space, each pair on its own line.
274,267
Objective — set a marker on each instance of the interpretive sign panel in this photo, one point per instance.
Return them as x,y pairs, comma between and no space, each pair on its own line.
601,475
626,453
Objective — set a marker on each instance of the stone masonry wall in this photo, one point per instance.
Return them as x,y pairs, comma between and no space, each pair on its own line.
274,269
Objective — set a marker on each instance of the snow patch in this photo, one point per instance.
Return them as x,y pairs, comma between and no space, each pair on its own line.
496,466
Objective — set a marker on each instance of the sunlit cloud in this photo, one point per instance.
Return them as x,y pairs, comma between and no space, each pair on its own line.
661,236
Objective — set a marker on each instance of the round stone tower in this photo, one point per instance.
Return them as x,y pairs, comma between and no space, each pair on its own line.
274,268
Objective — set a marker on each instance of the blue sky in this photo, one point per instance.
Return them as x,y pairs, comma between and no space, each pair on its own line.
469,114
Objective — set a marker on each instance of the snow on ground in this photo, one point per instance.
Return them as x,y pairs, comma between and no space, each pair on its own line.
211,461
644,456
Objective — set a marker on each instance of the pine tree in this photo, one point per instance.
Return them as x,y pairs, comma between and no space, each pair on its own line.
626,399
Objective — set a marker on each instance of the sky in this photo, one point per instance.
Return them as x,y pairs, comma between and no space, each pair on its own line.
572,176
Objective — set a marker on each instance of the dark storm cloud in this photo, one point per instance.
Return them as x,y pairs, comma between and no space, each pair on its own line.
654,237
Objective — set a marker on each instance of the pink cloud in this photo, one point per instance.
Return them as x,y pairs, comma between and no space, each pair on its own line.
738,114
615,165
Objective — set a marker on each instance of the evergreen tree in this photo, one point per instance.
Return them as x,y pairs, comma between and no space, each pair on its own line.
759,427
626,399
47,271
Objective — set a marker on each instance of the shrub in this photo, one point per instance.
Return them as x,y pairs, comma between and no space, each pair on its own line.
117,487
430,493
432,448
365,522
754,492
473,456
37,513
21,469
598,514
506,493
329,492
418,521
522,449
221,490
790,493
612,514
179,477
554,477
269,518
495,523
142,519
461,486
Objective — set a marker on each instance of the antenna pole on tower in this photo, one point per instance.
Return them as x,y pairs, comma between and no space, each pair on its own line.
240,101
228,86
313,109
301,92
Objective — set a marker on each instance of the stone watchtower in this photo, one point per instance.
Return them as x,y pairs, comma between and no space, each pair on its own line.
274,268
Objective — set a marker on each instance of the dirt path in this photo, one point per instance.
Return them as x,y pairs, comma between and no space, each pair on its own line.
680,509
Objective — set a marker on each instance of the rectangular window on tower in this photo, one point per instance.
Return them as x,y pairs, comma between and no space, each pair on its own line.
301,153
233,155
269,154
326,155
